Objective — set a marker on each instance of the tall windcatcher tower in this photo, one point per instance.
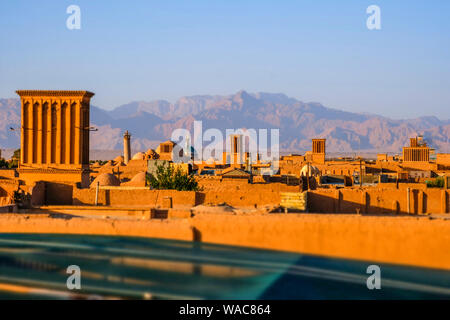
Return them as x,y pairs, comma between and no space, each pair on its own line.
126,147
237,146
318,150
418,151
54,139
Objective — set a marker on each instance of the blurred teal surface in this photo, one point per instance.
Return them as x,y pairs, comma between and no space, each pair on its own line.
33,266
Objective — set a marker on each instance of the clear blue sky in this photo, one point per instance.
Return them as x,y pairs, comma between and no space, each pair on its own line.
311,50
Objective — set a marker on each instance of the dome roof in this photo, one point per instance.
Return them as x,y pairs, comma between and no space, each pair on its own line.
313,171
140,177
150,151
119,159
137,181
96,164
110,163
106,179
139,156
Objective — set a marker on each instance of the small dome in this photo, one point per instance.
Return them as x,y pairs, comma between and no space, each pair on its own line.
137,181
110,163
313,171
106,179
119,159
150,151
140,177
139,156
96,164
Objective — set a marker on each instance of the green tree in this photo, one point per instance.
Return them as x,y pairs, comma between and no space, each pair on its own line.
16,154
4,163
438,183
14,162
168,177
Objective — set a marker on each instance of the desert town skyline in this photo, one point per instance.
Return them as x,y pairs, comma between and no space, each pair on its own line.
347,133
54,169
317,167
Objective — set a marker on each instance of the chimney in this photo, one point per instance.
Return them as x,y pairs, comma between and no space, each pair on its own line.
126,147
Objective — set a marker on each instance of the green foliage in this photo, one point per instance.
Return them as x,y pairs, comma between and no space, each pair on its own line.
167,177
16,154
438,183
4,163
14,163
100,162
8,164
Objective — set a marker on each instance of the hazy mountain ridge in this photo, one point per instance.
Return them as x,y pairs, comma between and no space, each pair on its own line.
151,122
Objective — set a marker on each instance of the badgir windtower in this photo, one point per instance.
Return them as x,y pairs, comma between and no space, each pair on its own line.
55,136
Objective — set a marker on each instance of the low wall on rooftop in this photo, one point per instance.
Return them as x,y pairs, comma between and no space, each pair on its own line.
379,200
246,195
10,208
385,198
119,196
7,173
404,240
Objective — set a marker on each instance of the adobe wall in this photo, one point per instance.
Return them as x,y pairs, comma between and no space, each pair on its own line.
402,186
245,195
404,240
41,192
242,195
443,161
38,193
7,173
56,176
425,166
7,188
10,208
174,229
443,158
379,200
144,197
290,168
385,198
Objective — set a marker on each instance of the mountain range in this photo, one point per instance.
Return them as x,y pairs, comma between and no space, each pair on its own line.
153,122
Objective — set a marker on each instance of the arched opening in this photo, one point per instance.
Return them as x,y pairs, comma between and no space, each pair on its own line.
44,132
4,197
35,132
25,132
63,133
53,126
72,116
